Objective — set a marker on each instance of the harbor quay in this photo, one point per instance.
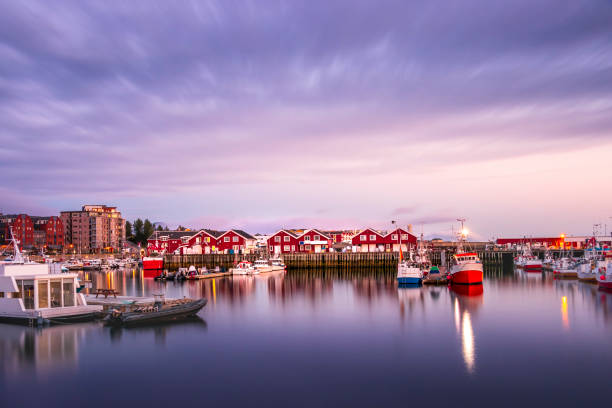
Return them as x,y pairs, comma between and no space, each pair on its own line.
342,260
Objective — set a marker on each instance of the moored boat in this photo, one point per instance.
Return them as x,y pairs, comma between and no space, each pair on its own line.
604,272
277,264
467,267
243,268
157,313
565,268
36,294
151,265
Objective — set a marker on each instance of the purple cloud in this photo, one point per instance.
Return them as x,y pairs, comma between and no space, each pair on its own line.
345,99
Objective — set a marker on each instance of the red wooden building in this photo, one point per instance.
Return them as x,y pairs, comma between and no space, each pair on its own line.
204,241
235,241
23,229
371,240
53,231
555,243
292,241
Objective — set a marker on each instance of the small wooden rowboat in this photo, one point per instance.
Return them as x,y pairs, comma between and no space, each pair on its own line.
156,313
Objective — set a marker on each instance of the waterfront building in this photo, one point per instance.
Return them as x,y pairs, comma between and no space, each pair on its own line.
235,241
204,241
23,229
283,242
48,233
371,240
300,241
95,228
560,242
368,240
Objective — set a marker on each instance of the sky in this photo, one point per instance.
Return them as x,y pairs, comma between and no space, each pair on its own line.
328,114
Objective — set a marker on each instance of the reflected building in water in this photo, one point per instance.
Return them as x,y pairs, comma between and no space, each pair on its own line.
41,350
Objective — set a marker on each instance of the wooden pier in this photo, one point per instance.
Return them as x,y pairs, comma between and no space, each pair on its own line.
342,260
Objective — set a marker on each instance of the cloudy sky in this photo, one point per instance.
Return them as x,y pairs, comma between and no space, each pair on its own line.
328,114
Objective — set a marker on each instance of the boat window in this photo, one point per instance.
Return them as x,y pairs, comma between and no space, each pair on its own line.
27,294
56,293
68,286
43,294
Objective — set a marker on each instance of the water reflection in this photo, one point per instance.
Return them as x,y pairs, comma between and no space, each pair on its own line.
41,351
348,323
467,300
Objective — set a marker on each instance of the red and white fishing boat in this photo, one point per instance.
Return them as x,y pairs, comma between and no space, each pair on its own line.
604,272
467,267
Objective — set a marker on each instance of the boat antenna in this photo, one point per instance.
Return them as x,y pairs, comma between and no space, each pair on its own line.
18,256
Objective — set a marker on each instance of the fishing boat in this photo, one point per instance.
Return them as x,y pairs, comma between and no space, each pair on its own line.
527,261
261,266
604,272
565,268
467,267
277,264
586,272
421,258
159,312
548,260
38,294
408,272
242,268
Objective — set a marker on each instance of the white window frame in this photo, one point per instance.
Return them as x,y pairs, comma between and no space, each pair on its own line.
286,248
372,237
316,238
226,239
394,237
277,238
234,239
286,238
307,238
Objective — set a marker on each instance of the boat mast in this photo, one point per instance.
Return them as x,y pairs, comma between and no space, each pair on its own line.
461,237
400,241
18,258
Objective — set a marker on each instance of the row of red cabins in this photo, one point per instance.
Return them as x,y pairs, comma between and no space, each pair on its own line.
314,241
204,241
285,241
32,232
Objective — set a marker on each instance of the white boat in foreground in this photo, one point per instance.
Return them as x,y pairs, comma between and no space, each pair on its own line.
36,294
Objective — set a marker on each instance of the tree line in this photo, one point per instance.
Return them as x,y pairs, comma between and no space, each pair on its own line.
139,230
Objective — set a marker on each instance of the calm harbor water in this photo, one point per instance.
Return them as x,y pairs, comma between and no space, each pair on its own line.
328,339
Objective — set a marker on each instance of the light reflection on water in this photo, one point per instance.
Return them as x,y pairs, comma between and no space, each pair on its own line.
355,337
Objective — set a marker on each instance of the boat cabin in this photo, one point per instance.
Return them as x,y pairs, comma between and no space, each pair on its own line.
32,291
467,257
